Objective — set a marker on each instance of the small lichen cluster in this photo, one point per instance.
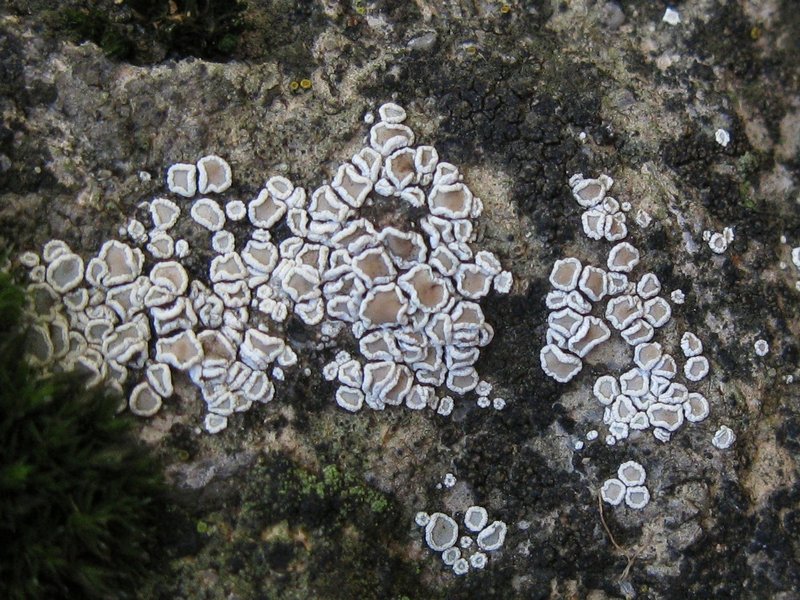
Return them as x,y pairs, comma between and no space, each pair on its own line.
628,486
648,394
463,553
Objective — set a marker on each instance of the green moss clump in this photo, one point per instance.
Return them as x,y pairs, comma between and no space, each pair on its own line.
143,31
95,26
204,28
749,164
353,527
80,499
296,533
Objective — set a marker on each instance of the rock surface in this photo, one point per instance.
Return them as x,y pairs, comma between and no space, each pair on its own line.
299,499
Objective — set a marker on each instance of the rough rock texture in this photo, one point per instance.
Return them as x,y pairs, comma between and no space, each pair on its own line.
297,499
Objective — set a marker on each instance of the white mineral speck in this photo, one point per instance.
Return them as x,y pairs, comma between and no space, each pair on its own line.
762,347
671,17
723,137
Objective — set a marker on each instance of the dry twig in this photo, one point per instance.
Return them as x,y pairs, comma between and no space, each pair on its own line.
630,557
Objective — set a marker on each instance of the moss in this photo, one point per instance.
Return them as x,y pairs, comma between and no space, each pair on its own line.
748,164
80,499
746,195
347,492
143,31
115,44
297,533
203,527
282,30
228,43
94,25
203,28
